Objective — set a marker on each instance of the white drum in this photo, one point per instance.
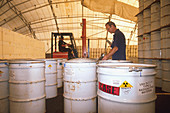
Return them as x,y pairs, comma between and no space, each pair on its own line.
158,78
141,60
165,53
140,24
140,54
165,43
166,75
141,4
147,3
59,72
128,85
147,54
156,53
27,86
165,39
155,35
140,31
147,46
165,32
80,86
155,16
4,93
147,25
146,42
147,20
164,2
156,44
147,61
165,14
113,61
51,77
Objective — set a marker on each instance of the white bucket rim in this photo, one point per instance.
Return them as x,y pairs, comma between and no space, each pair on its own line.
25,62
47,59
115,61
81,60
126,65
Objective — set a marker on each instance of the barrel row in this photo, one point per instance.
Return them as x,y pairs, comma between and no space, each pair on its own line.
119,83
29,82
162,76
154,30
154,16
155,44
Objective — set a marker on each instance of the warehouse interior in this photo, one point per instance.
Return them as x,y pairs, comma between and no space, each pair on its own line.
27,28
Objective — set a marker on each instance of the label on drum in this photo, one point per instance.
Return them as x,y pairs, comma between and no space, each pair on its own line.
50,66
145,87
126,87
116,82
1,73
69,72
109,89
125,84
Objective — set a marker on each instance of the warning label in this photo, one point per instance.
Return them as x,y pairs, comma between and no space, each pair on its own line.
146,87
109,89
49,66
1,73
125,84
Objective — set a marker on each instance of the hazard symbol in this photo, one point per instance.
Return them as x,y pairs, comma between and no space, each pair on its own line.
49,65
1,72
125,84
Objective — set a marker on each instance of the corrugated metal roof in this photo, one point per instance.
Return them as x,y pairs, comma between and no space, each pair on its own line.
38,18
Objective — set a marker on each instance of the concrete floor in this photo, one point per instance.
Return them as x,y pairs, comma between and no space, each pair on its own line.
56,105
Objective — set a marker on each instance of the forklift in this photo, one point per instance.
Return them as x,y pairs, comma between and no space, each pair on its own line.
56,54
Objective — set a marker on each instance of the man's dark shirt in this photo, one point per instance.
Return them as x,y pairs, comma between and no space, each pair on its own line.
120,42
61,42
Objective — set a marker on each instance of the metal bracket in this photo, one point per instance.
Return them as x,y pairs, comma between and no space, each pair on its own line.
136,69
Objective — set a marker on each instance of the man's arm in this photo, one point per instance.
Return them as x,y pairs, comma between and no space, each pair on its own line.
112,51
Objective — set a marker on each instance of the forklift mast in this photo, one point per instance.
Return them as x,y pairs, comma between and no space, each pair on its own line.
74,48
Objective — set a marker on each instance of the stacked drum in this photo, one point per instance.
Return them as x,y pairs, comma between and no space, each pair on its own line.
165,40
140,24
166,75
147,20
165,44
27,86
147,45
4,75
156,44
140,47
165,14
158,77
155,16
80,86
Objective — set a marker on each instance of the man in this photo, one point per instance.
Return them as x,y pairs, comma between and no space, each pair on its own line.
62,47
118,51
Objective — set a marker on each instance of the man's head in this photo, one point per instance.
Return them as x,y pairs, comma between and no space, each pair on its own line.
110,27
